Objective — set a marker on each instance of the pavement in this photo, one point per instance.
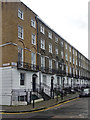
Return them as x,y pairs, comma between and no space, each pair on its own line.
37,106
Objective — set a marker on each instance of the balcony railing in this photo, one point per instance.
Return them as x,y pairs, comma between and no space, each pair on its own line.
70,75
27,66
53,71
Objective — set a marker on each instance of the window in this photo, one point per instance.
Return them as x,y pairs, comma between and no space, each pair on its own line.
33,58
76,62
76,72
62,54
42,30
79,64
22,78
70,70
73,61
42,44
66,46
44,79
21,98
42,61
56,65
20,14
50,35
56,50
70,59
69,49
66,57
58,81
20,56
56,39
50,47
62,43
50,63
81,57
33,39
79,73
73,71
20,32
62,67
33,23
76,53
66,69
73,51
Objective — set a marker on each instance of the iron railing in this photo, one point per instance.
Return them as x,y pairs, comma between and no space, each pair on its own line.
27,66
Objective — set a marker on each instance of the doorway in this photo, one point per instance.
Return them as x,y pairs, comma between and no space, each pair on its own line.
34,82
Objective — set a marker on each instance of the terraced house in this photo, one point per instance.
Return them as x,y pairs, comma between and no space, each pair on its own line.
35,60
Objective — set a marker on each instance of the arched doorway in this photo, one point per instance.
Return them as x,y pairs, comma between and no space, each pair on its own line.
34,76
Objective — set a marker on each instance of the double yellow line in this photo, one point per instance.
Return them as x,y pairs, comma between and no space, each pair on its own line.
42,109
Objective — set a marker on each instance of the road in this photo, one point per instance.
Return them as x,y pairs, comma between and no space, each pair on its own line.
77,108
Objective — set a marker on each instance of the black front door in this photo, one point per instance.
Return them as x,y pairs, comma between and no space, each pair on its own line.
51,84
34,84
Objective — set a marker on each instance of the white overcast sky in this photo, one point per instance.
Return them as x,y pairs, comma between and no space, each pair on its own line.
69,18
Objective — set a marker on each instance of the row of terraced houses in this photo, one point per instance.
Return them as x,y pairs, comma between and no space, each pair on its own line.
35,58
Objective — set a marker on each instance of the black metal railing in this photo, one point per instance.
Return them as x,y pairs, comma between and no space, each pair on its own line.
27,66
70,75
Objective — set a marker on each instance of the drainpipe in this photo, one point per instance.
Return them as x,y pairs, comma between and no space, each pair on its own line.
37,54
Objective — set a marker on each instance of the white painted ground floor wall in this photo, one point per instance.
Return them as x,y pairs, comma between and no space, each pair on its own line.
10,80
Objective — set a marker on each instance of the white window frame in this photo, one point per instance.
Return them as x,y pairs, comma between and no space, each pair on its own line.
62,55
56,64
73,71
42,29
70,70
62,43
33,23
79,63
66,69
66,46
56,50
56,39
50,63
50,34
42,61
73,61
20,14
33,37
20,56
42,44
20,32
44,79
76,61
76,53
66,57
22,79
76,72
69,49
70,59
50,48
33,58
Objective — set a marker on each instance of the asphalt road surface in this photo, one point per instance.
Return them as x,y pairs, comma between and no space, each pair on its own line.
77,108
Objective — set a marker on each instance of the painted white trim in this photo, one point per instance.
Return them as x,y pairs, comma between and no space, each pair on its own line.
13,63
8,44
6,67
6,64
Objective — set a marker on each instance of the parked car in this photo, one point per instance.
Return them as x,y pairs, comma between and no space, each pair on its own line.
85,92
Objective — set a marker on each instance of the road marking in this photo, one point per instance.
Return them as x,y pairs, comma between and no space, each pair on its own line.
42,109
